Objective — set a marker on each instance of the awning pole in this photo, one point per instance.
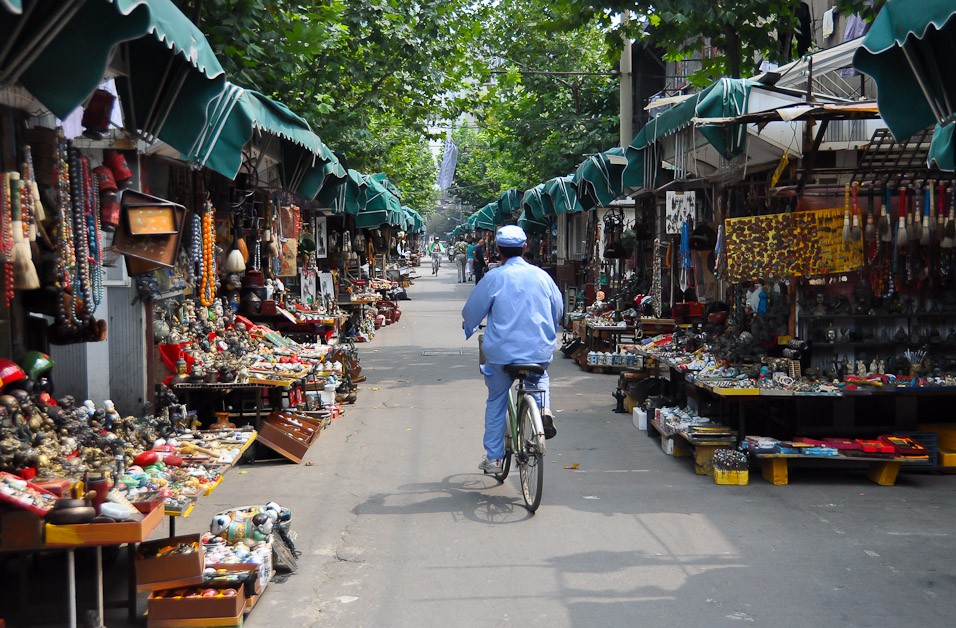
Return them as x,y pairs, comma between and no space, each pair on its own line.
918,75
21,23
148,120
167,109
20,63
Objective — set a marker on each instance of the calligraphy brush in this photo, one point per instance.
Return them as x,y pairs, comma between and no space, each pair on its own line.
949,233
901,222
846,213
941,221
869,232
914,229
856,234
929,220
234,261
884,228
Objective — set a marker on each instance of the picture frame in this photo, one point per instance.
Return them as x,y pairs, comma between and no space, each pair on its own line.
321,237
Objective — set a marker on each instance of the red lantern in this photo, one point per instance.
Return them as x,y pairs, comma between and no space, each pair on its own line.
96,116
109,211
116,162
104,176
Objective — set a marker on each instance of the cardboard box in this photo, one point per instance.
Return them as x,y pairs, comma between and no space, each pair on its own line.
103,533
163,605
250,575
174,570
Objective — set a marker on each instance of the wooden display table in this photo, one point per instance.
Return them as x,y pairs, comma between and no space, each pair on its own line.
882,471
701,448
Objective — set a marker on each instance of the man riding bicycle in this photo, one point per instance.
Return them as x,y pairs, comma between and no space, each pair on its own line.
523,307
435,250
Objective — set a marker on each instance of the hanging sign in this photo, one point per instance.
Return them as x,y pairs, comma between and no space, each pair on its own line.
680,207
798,244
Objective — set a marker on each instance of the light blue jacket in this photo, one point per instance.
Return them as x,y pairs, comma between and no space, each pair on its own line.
523,307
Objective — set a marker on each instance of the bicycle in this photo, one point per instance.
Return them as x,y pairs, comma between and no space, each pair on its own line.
524,438
436,261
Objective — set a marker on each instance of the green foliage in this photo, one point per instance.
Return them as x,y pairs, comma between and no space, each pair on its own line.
739,30
349,67
536,114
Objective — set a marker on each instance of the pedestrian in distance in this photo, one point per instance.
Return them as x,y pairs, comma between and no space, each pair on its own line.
523,308
461,255
480,263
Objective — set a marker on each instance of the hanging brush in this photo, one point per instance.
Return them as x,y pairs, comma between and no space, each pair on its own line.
846,213
901,223
24,272
931,212
914,228
941,221
856,233
925,233
949,233
885,216
235,263
869,232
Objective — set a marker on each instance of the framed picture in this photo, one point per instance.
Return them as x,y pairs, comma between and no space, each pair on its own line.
321,238
327,285
680,207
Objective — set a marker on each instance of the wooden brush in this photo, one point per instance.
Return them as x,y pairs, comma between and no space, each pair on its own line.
901,221
949,233
846,213
885,215
869,232
941,208
235,261
926,234
915,233
24,272
912,207
856,233
931,211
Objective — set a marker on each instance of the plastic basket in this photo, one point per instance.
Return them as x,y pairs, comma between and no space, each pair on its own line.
929,440
732,478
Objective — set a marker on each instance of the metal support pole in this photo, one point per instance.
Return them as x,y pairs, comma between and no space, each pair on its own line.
99,587
71,586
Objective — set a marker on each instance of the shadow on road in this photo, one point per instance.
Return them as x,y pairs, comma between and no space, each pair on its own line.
466,495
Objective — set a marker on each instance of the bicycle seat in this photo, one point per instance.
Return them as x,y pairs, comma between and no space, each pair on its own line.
521,370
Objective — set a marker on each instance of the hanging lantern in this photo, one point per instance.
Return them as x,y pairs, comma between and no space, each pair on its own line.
116,162
96,116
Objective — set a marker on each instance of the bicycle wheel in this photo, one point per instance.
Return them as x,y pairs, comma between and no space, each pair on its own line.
509,450
505,463
530,456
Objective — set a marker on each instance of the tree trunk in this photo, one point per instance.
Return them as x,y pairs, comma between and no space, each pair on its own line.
732,50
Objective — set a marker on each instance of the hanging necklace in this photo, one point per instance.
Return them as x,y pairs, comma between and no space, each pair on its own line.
207,291
93,235
6,238
63,229
79,171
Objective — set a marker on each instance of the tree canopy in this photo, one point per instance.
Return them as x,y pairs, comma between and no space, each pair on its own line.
737,31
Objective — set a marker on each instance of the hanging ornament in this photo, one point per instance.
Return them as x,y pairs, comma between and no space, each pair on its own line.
207,288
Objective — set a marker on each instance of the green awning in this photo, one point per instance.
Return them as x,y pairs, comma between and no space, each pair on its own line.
382,178
909,52
173,77
725,98
13,6
343,195
509,203
560,196
415,220
173,71
531,224
233,120
941,150
600,178
532,202
378,206
485,218
324,173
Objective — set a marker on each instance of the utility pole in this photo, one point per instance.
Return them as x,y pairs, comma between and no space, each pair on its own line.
627,94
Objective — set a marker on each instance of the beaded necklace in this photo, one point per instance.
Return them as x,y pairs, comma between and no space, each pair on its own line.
63,228
207,292
93,235
6,238
80,171
195,248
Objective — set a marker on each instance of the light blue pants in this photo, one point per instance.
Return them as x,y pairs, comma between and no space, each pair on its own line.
496,408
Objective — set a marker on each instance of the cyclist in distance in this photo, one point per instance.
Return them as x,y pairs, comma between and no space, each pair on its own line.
523,307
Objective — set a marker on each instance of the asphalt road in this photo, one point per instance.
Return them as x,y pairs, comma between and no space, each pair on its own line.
398,528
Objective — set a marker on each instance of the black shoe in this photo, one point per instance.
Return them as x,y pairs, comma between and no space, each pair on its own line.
548,421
